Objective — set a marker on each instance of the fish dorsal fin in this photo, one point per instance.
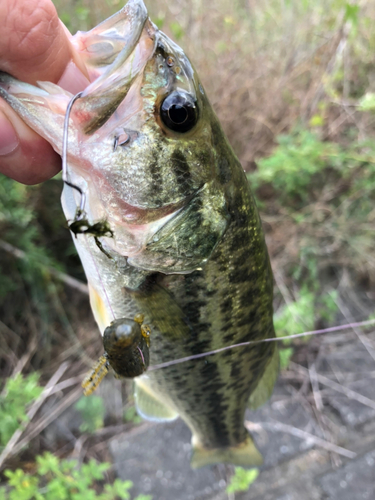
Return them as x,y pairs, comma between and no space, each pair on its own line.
148,405
244,454
266,384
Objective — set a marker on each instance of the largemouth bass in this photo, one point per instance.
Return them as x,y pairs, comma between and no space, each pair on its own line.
183,243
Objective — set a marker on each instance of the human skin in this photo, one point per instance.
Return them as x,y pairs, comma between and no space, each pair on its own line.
34,45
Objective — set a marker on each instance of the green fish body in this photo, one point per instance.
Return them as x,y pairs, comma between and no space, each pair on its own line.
183,243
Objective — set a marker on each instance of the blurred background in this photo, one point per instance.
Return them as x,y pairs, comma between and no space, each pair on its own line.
293,83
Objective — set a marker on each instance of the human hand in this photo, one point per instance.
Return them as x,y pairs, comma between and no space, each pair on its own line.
34,45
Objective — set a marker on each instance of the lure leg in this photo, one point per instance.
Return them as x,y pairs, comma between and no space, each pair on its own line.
146,332
145,329
91,382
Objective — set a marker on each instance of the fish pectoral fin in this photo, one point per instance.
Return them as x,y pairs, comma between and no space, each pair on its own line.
149,406
266,384
99,309
244,454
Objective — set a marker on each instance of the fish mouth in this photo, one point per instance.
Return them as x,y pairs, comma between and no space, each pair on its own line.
115,52
136,15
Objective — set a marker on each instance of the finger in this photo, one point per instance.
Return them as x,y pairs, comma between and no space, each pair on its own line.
24,155
34,46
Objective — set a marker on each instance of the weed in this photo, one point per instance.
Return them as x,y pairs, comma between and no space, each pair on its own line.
291,168
56,479
131,415
92,411
242,479
17,395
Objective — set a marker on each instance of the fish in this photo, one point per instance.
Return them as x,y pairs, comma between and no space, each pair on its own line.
169,230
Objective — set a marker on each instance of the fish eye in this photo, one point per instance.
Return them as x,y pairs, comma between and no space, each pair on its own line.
179,111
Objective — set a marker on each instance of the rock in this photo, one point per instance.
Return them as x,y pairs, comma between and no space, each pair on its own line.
354,481
157,460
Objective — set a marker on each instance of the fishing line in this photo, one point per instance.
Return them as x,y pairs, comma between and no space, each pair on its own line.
141,353
253,342
65,173
80,213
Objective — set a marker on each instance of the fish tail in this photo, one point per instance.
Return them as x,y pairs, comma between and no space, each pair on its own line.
244,454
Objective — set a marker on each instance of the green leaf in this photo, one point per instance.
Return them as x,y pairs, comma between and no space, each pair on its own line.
316,121
92,411
351,13
285,355
367,102
19,392
242,479
47,463
177,30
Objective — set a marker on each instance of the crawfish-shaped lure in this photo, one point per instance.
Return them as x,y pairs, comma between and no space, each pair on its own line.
126,343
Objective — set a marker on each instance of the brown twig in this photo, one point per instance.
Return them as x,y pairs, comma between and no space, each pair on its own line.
365,342
45,421
65,278
338,387
299,433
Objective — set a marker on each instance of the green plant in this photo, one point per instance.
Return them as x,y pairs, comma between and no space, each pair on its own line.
300,315
56,479
17,395
92,411
299,157
242,479
131,415
285,354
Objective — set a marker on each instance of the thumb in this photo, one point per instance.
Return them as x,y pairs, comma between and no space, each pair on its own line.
34,45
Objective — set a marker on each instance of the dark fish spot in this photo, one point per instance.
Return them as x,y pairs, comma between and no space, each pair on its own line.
181,170
217,133
224,171
226,326
248,319
242,275
226,305
157,180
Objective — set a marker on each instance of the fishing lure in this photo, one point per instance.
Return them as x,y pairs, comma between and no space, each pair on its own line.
127,352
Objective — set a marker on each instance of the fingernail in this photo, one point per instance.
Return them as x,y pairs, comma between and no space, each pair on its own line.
8,137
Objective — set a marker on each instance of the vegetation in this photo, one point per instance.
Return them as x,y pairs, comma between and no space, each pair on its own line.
56,479
293,85
242,479
18,394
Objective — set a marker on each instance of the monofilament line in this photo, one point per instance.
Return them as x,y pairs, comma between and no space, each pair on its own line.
252,342
64,155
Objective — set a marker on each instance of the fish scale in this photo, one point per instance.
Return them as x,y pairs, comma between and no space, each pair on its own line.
187,250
